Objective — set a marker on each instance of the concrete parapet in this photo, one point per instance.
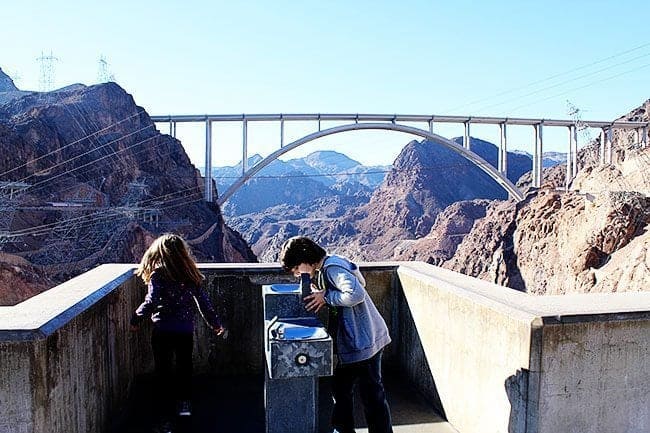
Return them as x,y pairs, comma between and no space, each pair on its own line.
504,361
488,358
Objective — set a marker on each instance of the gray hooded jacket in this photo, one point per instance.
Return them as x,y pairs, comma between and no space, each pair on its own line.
361,331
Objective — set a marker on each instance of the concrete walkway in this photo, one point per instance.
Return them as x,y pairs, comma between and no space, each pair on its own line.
236,405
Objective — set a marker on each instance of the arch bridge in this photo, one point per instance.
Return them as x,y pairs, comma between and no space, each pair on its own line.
395,122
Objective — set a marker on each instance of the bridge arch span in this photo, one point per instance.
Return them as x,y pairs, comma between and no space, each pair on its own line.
503,181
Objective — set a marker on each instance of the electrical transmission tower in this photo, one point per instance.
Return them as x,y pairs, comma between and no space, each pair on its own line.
581,127
104,74
46,81
10,193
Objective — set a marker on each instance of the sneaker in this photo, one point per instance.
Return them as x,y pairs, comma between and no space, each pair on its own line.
184,408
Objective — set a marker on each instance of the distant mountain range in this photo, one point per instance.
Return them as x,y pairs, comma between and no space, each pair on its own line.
303,181
299,180
353,213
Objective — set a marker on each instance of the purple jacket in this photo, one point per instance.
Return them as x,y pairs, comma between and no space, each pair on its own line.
172,305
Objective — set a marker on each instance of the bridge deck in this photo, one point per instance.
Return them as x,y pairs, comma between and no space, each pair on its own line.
236,405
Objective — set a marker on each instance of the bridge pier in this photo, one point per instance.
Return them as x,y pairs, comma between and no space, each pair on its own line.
537,156
503,151
208,160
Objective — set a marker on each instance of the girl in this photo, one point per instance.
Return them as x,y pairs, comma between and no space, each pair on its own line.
174,290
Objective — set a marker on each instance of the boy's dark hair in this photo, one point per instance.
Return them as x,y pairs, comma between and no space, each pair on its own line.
300,249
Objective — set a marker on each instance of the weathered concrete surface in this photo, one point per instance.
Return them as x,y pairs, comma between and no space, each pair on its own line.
477,351
488,358
504,361
595,376
73,359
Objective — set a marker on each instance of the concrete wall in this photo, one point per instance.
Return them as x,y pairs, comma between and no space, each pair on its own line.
595,375
237,295
488,358
67,358
476,350
505,362
68,361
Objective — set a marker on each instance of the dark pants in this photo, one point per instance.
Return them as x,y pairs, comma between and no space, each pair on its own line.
368,374
172,383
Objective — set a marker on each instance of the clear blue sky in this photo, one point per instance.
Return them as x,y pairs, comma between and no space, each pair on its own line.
513,58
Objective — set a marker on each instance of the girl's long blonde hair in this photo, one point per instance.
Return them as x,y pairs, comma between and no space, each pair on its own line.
170,255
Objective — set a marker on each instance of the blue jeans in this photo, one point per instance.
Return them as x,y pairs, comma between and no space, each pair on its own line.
368,374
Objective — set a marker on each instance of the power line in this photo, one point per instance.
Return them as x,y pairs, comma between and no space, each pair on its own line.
582,87
561,83
68,145
506,92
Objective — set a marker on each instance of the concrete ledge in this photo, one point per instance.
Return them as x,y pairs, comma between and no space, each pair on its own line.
504,361
40,316
486,357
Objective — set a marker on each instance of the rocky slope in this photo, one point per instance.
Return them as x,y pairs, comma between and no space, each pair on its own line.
592,238
101,182
424,180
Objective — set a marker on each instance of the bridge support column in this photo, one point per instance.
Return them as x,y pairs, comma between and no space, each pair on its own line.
244,158
503,151
466,140
537,156
574,153
208,161
608,147
569,157
601,148
281,131
644,138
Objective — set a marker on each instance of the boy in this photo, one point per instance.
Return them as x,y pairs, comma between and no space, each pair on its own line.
358,330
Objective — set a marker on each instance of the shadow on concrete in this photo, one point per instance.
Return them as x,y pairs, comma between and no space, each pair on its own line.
219,404
517,392
412,364
235,404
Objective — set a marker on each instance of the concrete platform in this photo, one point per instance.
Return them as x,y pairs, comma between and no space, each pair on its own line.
236,405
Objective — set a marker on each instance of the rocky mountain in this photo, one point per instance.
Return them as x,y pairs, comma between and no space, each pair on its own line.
299,182
86,178
592,238
6,83
424,180
549,159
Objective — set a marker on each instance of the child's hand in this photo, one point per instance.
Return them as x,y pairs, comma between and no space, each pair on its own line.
315,301
221,331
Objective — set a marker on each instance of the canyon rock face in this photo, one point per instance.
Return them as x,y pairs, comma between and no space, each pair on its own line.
591,238
86,178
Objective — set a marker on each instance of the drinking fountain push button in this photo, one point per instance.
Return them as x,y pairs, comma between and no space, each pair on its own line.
302,359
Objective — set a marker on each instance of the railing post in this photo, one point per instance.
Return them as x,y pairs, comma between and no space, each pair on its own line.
208,160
